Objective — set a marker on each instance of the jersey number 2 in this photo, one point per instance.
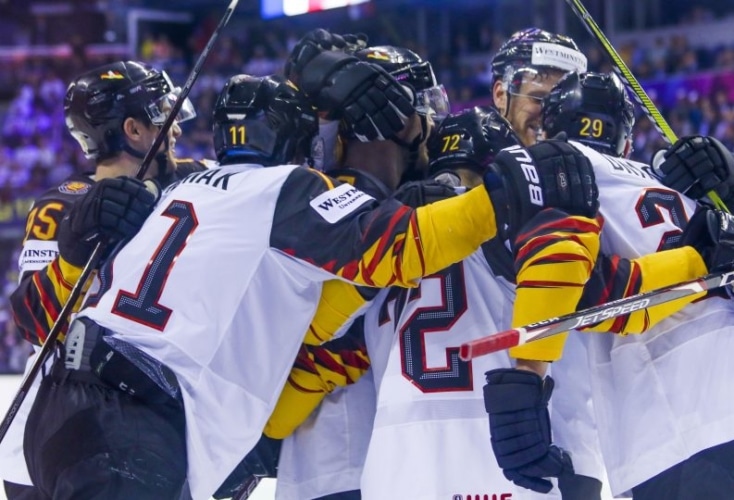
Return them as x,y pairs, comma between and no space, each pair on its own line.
649,209
434,320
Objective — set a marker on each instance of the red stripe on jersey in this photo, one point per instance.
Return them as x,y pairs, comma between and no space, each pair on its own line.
303,389
326,359
46,302
548,284
383,244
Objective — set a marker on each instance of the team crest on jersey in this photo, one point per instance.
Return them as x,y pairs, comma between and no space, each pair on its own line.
111,75
74,187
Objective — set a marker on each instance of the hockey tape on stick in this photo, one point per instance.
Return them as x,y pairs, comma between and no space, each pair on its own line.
632,84
579,319
50,344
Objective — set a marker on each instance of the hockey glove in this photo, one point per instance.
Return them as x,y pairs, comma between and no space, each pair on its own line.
711,233
695,165
372,103
420,193
261,461
517,404
315,42
523,181
114,209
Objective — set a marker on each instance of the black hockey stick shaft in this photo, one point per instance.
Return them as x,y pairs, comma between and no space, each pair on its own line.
632,83
50,344
247,488
579,319
185,90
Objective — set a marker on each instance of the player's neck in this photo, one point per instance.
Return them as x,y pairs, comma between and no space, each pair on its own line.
121,165
383,160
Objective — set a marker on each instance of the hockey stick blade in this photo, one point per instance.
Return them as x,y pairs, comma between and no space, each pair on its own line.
623,71
51,339
579,319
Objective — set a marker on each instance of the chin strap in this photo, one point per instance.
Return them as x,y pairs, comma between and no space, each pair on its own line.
161,159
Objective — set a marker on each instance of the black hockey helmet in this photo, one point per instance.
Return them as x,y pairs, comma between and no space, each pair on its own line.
98,102
415,74
471,139
533,49
264,120
592,108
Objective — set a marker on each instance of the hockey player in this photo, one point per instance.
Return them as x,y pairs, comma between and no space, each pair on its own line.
141,351
342,424
546,73
524,70
376,168
114,112
683,455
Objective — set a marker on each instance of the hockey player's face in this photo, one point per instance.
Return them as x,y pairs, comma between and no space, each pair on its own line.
148,134
525,104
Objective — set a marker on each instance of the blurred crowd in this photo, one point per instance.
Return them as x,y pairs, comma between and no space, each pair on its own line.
36,151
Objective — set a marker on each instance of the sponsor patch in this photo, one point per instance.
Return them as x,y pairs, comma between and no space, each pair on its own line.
558,56
74,187
339,202
36,254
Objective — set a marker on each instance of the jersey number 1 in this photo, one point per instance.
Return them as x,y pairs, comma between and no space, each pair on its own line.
142,306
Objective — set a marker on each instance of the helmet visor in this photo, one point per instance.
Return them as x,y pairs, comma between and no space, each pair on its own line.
159,109
249,136
433,101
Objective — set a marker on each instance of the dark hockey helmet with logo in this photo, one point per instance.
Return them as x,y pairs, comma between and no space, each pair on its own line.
414,73
533,49
98,102
470,139
592,108
264,120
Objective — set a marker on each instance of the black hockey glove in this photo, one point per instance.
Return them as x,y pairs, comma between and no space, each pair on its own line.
261,461
365,96
420,193
523,181
112,210
695,165
517,404
315,42
711,233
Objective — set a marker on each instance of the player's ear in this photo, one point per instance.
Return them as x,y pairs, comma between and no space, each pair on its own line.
132,128
499,95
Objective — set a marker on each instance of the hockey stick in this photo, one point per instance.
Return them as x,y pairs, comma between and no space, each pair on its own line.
554,326
632,84
50,344
247,488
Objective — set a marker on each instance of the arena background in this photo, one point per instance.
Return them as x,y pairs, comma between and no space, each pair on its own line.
682,52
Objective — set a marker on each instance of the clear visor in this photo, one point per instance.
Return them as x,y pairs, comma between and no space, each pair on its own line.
532,81
159,109
433,101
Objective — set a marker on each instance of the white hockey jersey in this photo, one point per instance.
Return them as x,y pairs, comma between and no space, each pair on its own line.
665,395
430,439
227,295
